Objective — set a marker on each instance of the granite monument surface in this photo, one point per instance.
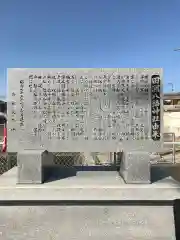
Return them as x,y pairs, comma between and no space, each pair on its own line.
85,110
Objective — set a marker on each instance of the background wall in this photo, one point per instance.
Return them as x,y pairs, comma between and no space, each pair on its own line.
172,123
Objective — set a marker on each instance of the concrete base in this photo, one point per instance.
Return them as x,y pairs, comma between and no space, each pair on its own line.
91,185
90,222
90,205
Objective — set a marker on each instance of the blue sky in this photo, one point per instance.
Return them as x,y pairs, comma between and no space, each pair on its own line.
90,33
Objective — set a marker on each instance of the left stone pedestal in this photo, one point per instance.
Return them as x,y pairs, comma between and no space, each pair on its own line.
33,166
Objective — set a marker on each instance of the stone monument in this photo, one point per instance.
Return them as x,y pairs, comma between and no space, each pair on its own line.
87,110
84,110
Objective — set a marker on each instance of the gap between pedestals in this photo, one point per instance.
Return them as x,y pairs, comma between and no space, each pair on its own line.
35,167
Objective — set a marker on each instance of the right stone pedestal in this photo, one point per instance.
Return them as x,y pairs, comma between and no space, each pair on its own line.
135,167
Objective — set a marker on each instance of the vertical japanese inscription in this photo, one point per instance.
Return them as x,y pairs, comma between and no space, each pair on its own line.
21,103
155,107
13,113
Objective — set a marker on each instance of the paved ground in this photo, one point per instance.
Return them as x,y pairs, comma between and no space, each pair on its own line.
88,222
92,186
91,221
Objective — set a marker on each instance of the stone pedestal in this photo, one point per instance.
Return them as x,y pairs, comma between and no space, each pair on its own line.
33,166
135,167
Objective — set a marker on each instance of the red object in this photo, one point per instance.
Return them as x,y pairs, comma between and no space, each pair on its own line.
4,147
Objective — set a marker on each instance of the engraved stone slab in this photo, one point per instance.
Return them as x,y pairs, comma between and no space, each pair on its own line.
135,167
85,110
87,222
31,165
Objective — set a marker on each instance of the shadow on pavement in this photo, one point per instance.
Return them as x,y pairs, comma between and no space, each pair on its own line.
57,173
164,171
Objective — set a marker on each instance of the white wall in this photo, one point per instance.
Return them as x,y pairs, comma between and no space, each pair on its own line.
172,122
